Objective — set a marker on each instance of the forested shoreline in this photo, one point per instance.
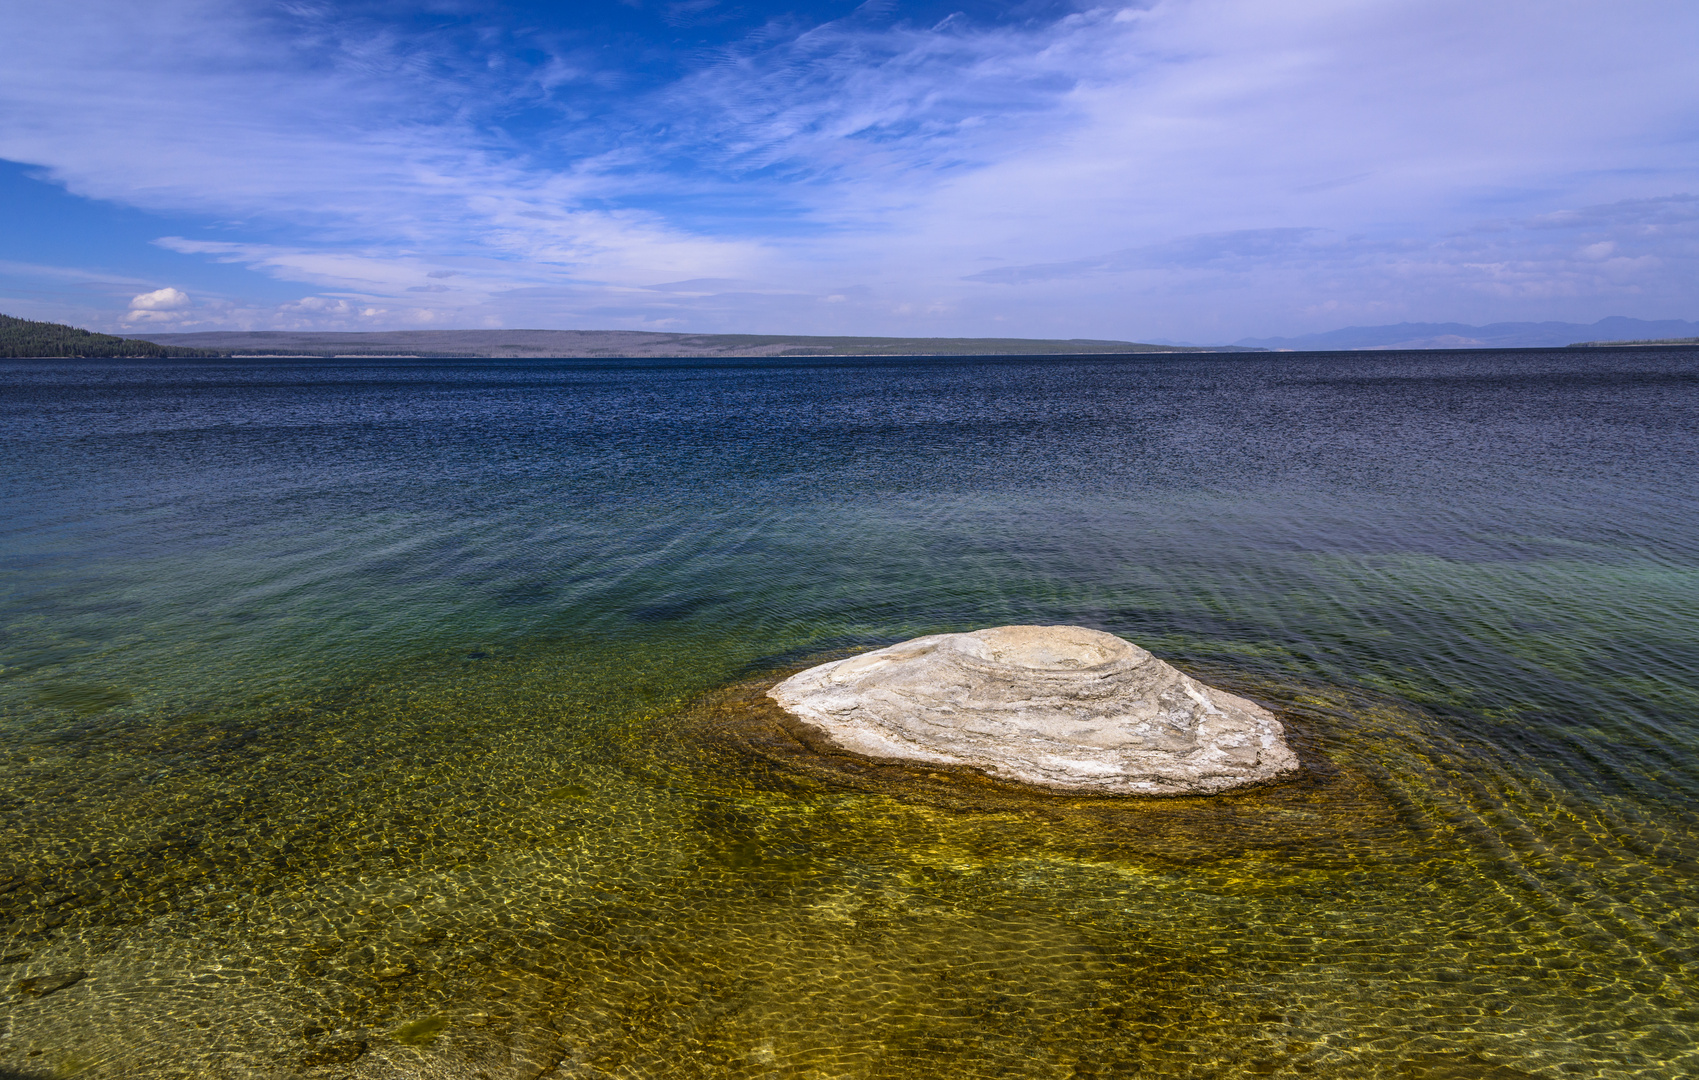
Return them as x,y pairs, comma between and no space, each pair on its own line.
26,338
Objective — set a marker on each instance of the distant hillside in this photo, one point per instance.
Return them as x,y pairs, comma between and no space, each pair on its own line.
629,343
1492,336
21,338
1653,341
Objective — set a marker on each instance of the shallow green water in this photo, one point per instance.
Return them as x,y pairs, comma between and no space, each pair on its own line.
403,719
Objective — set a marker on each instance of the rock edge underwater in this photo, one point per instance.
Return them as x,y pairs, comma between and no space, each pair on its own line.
1060,707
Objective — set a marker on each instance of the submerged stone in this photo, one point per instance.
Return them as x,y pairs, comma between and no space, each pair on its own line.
42,985
1061,707
421,1031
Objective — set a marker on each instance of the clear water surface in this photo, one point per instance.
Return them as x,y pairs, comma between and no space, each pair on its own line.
394,718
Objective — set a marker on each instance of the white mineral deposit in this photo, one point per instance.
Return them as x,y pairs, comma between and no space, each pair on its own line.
1060,707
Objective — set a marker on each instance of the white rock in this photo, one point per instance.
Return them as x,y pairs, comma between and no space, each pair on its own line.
1061,707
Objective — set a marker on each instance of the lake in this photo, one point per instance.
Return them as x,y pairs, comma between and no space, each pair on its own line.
392,717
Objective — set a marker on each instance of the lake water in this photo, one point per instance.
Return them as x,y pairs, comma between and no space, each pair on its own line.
393,718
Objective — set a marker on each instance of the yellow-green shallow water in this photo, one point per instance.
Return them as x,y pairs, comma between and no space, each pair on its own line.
468,773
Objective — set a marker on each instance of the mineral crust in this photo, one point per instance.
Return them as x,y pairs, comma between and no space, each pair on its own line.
1060,707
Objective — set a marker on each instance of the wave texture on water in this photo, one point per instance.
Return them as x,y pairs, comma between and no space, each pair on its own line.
407,718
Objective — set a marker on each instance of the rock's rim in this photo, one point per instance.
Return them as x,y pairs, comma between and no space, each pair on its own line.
1064,708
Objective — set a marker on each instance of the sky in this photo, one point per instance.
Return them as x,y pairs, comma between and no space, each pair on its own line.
1166,170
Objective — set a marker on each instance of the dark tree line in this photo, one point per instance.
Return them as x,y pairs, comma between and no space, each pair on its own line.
26,338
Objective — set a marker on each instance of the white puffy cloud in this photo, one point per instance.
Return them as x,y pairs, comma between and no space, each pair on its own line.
160,306
166,299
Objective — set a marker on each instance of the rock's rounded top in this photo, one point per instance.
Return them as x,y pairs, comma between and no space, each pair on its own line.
1063,707
1045,648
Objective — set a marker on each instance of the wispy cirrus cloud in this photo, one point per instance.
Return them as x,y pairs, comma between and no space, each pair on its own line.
1185,168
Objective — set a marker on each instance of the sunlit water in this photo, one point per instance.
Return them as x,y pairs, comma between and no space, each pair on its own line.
405,718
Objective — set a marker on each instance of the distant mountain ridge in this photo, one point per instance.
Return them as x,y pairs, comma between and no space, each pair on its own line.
633,343
1507,335
24,338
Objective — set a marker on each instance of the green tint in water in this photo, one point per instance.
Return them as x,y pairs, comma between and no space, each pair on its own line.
544,824
420,1032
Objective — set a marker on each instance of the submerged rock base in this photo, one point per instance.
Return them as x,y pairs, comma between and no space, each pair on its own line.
1060,707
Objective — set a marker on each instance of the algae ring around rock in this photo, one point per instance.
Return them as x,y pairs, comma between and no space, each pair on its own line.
1060,707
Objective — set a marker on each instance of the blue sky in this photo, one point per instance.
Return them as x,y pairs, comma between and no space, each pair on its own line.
1196,170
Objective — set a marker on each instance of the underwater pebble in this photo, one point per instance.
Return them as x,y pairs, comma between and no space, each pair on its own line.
42,985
